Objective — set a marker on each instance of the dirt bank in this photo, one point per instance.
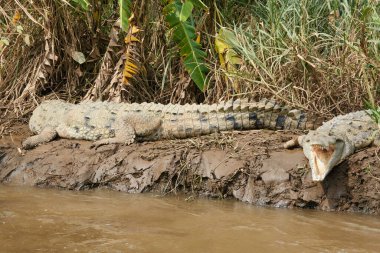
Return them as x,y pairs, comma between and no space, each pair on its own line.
250,166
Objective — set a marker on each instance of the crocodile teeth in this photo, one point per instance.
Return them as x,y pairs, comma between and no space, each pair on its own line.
320,147
321,156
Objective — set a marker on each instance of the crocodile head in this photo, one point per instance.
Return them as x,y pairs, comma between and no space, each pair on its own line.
324,151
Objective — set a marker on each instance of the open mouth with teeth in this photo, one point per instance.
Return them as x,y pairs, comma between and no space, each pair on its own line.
324,158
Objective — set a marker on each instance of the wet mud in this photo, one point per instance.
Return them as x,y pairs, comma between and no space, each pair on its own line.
250,166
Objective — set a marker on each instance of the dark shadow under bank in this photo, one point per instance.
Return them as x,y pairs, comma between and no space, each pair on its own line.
250,166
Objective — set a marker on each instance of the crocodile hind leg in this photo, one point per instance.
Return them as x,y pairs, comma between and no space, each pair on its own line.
46,135
144,124
129,127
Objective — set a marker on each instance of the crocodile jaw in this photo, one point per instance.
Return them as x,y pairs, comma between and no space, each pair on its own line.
323,158
325,149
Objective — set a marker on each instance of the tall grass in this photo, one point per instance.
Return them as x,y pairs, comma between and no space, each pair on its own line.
320,55
323,56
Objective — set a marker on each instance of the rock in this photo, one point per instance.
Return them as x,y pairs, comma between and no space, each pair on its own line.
275,176
276,166
216,164
313,194
285,160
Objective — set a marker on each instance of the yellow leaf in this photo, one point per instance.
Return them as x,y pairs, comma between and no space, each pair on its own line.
131,17
130,64
129,70
126,74
135,29
220,46
222,61
198,39
16,17
233,58
130,38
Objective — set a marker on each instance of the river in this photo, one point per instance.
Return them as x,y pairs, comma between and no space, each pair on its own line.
47,220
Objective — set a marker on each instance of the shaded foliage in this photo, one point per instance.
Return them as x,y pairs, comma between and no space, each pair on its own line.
322,56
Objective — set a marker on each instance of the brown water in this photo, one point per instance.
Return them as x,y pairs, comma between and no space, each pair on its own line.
40,220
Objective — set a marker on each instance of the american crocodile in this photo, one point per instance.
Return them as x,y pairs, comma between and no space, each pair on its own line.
331,143
107,122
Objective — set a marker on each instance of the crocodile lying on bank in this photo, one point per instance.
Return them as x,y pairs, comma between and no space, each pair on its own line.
335,140
107,122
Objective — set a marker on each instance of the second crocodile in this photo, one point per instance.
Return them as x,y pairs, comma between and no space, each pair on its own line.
331,143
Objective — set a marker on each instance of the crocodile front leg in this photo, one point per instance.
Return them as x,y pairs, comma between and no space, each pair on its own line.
295,142
46,135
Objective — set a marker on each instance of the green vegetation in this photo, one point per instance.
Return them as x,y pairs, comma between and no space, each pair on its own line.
177,15
323,56
320,55
374,112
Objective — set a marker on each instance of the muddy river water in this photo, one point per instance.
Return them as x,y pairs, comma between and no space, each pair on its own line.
45,220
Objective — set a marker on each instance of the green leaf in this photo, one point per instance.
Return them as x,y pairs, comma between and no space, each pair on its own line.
83,3
177,15
187,9
125,13
366,13
373,111
199,4
224,42
233,58
4,41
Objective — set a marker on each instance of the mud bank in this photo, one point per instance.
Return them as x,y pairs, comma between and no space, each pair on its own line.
249,166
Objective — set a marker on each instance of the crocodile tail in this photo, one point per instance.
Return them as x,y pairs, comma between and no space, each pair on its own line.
228,115
182,121
265,114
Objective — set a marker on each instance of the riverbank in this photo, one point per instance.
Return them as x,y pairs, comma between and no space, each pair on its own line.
250,166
